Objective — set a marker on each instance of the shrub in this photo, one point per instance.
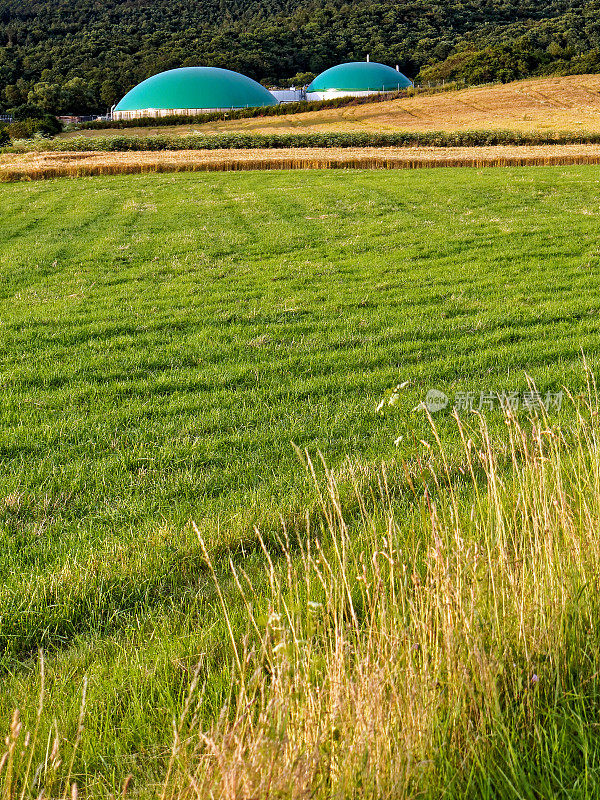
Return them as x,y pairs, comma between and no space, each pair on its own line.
27,111
28,128
4,137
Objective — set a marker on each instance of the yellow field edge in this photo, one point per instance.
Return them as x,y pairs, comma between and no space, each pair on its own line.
40,166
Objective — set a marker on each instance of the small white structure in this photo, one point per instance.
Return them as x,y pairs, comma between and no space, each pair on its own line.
289,95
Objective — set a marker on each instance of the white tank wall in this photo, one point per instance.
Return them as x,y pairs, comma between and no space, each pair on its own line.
165,112
330,94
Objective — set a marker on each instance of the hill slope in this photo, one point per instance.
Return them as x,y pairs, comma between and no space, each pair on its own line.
570,103
114,44
555,104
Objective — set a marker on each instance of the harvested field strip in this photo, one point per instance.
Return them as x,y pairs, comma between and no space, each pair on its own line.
40,166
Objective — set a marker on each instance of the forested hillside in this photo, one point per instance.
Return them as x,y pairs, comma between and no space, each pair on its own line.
78,56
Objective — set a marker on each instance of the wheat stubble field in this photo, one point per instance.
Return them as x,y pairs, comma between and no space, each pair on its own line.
44,165
179,352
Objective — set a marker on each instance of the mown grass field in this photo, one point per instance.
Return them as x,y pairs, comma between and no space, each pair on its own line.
166,338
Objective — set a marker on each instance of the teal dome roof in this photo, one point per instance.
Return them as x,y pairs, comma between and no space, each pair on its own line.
359,76
196,87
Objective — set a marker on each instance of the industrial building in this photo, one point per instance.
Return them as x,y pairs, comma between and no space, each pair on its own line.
197,90
192,90
356,79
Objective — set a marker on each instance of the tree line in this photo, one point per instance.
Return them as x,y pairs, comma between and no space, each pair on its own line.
70,56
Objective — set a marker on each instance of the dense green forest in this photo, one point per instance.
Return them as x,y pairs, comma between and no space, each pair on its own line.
79,56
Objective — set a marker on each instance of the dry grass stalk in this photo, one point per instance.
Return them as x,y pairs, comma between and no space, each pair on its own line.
17,760
382,650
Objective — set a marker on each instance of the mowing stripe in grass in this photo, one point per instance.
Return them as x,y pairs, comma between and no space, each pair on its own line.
165,338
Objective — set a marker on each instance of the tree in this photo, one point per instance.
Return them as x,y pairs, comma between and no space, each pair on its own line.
77,97
16,93
301,79
27,111
110,93
48,96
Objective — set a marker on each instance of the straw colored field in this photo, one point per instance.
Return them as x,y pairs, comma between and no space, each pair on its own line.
570,103
39,166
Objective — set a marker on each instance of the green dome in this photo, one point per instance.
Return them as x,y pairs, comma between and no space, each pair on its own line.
196,87
359,76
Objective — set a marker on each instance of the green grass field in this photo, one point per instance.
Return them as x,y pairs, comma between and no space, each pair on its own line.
165,340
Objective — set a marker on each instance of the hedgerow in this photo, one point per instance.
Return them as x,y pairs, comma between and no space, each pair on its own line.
244,141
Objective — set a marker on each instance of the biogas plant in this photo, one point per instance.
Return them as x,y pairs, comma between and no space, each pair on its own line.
197,90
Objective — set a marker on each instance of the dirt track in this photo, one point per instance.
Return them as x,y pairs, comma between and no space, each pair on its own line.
39,166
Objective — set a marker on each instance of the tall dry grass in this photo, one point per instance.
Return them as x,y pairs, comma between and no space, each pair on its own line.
46,165
400,653
417,645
